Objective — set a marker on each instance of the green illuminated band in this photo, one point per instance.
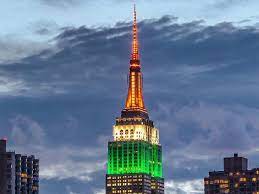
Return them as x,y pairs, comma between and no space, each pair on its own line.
131,157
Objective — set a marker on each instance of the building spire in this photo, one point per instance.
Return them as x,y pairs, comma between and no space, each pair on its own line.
135,43
135,102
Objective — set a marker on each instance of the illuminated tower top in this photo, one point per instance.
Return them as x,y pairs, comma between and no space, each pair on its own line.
135,154
135,102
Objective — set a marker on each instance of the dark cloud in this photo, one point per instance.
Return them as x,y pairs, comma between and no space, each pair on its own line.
45,27
201,134
84,56
201,88
223,4
14,49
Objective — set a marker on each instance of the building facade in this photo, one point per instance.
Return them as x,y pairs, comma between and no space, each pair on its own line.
19,173
235,179
135,155
3,165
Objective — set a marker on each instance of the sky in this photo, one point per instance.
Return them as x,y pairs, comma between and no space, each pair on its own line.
63,81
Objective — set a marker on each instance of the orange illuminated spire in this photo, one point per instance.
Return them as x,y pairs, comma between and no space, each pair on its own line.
135,44
135,102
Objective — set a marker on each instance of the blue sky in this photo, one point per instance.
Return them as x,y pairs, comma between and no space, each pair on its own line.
63,75
21,17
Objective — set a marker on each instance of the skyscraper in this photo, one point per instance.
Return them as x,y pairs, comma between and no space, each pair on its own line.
135,155
19,174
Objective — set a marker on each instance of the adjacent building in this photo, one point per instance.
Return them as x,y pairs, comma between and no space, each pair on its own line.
3,166
235,179
135,154
19,174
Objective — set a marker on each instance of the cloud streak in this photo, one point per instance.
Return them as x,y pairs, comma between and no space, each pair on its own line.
188,187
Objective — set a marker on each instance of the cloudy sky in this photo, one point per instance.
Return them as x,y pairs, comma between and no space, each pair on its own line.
63,75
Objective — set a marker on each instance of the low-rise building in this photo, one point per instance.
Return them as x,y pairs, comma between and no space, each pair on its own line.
235,179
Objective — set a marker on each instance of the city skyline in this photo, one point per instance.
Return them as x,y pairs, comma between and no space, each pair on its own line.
61,86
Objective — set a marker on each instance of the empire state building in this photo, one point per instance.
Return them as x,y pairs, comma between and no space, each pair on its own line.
135,155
